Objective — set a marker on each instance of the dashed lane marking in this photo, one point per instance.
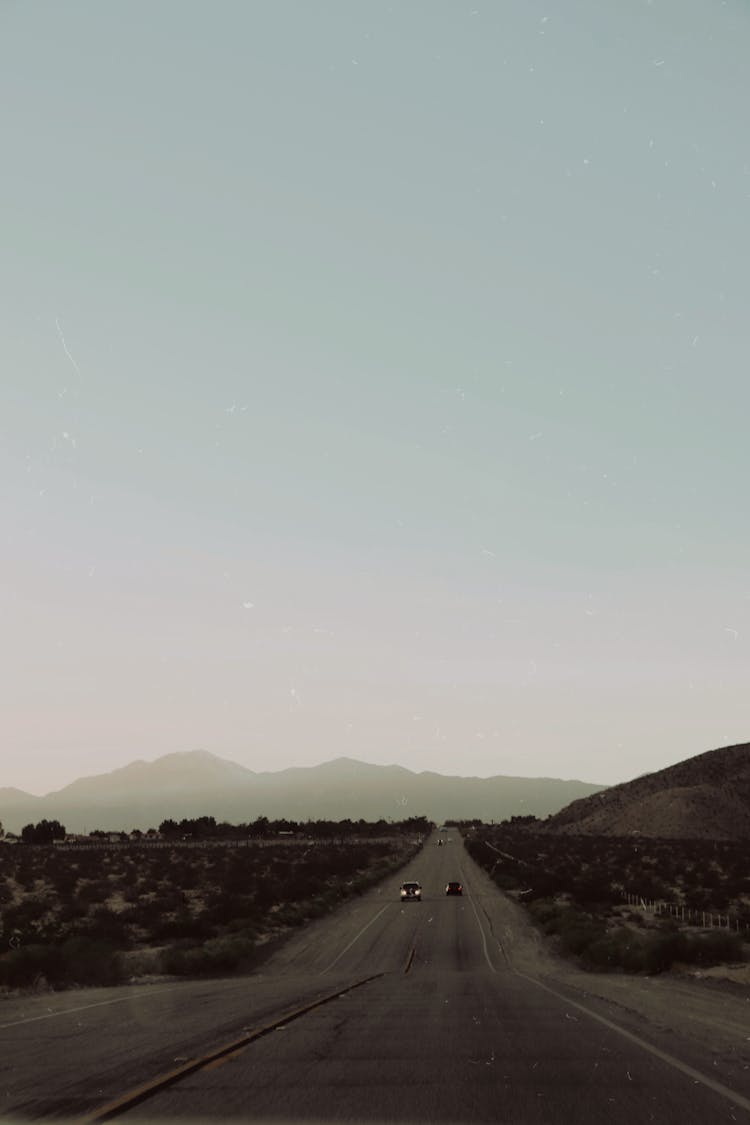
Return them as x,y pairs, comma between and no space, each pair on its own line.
85,1007
356,937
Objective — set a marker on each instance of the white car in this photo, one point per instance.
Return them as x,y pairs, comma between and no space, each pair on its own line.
411,892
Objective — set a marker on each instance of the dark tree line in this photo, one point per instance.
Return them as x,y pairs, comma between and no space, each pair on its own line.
206,828
43,833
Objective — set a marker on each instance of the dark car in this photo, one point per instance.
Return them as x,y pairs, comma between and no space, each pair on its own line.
454,889
411,891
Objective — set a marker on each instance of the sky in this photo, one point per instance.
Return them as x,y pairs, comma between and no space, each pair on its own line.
373,382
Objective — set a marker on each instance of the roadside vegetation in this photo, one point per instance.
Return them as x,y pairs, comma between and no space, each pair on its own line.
191,903
575,890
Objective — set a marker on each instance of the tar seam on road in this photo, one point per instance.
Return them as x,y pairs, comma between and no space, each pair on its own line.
481,929
412,951
500,945
696,1075
484,936
351,943
162,1081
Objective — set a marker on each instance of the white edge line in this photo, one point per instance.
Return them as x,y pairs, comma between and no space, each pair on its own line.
355,938
83,1008
705,1079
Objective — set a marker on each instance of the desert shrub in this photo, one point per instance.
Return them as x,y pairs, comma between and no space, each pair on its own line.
711,948
145,913
129,874
246,927
25,915
181,925
26,875
622,948
148,885
547,915
357,885
268,892
505,881
291,914
71,913
25,967
174,958
78,961
575,929
578,931
222,907
91,892
662,950
213,957
302,885
141,962
593,889
105,925
64,880
186,875
609,950
544,884
90,961
317,906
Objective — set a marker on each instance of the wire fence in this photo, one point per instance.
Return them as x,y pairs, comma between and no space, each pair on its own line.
704,919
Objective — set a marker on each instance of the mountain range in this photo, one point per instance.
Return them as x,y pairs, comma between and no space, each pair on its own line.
707,797
197,783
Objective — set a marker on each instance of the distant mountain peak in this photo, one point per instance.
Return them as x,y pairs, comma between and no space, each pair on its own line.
190,783
197,755
357,764
179,770
9,795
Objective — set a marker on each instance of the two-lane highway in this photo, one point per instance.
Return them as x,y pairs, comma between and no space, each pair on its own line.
444,1028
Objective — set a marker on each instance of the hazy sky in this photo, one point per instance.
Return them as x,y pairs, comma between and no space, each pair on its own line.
374,381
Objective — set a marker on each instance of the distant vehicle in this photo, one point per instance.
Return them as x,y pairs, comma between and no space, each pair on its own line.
453,889
440,843
411,892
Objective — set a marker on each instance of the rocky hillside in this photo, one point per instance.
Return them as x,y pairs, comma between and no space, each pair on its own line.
706,797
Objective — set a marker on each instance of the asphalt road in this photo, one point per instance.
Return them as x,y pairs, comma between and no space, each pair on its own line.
450,1026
